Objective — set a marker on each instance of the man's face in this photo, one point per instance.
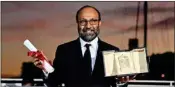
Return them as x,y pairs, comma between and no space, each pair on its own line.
88,24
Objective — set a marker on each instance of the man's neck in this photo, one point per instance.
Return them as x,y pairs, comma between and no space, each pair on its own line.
93,42
95,39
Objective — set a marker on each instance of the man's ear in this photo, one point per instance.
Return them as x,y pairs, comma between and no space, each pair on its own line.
99,23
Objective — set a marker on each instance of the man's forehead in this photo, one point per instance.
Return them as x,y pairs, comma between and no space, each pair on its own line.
88,13
88,9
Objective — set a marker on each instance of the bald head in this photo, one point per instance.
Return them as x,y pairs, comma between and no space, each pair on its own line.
87,10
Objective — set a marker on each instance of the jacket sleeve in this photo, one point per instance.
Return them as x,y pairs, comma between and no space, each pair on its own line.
55,79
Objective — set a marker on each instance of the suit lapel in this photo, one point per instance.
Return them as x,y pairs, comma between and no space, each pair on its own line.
77,55
78,48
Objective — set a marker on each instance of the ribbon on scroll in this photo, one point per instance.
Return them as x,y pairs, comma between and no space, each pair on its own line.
46,64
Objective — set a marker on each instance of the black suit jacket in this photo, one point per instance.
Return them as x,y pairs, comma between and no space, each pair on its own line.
70,71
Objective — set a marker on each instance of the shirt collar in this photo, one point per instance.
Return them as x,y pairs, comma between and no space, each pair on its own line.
94,42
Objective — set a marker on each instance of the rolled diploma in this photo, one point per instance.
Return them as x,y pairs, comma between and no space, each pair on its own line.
46,65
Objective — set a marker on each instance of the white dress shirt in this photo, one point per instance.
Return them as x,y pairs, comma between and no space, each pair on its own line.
93,49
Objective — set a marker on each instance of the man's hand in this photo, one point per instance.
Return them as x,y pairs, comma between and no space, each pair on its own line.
37,58
126,78
38,63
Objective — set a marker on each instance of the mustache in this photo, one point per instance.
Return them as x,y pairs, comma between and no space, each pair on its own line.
88,29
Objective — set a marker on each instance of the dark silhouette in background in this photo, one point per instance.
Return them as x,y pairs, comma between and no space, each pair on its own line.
133,43
30,72
162,66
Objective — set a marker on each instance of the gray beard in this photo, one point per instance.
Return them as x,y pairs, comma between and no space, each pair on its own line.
88,38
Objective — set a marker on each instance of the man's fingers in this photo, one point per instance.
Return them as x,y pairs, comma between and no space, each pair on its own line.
35,59
37,62
127,78
122,79
134,77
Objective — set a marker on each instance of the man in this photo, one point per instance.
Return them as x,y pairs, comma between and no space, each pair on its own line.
79,63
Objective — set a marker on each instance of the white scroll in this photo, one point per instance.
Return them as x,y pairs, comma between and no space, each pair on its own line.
48,68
